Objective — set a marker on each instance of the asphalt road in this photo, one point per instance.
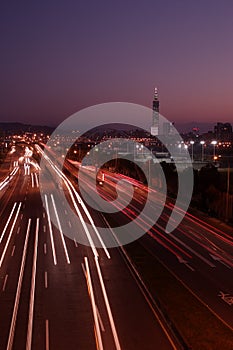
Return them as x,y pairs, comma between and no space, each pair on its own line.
56,293
196,252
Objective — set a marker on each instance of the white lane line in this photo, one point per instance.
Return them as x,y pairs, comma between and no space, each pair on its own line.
18,230
18,292
46,279
47,335
10,234
75,243
93,304
32,293
66,212
4,283
21,216
25,198
109,311
32,177
69,224
50,231
44,228
44,215
37,182
45,249
7,223
13,251
60,229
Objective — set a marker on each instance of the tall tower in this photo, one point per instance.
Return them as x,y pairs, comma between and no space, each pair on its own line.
155,116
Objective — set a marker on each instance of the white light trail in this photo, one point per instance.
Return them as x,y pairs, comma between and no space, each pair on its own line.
10,234
32,177
7,223
60,229
106,300
93,304
50,231
32,293
37,181
18,292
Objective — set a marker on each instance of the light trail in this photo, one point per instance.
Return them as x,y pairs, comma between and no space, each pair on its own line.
72,190
18,292
37,181
50,231
8,221
60,229
10,234
32,293
93,304
109,311
32,177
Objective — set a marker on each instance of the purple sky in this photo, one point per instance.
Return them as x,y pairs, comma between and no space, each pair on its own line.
60,56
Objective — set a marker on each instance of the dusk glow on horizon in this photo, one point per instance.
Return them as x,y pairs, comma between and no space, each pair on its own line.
59,57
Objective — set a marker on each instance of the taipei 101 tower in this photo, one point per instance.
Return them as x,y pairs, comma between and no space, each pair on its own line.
155,116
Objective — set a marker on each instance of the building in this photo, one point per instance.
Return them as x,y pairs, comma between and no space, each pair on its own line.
223,131
155,116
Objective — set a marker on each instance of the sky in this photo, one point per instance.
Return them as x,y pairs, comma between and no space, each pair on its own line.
58,57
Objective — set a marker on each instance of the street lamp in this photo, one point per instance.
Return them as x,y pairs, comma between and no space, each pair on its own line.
136,150
192,143
202,150
214,143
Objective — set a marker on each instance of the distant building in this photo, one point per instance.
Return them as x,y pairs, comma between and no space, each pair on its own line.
223,131
155,116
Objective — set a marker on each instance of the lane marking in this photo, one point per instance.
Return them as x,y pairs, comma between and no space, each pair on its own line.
47,335
10,234
8,221
21,216
45,249
75,243
46,279
18,292
33,286
18,230
4,283
69,224
60,230
93,304
44,228
13,250
50,231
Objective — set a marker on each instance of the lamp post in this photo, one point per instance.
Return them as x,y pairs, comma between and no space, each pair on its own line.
192,143
214,143
136,150
202,150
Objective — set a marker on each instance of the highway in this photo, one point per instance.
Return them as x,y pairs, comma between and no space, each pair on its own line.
197,253
54,292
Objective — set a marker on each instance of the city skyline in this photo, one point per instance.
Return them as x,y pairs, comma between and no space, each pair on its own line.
59,59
